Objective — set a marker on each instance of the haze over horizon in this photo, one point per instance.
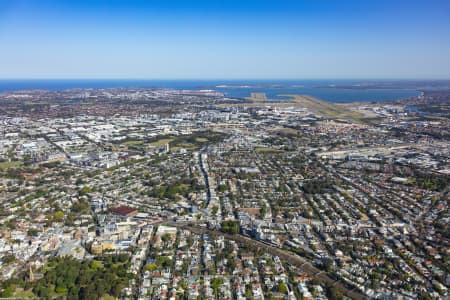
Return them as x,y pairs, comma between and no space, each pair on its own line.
224,40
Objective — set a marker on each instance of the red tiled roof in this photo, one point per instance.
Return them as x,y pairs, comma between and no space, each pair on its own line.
123,210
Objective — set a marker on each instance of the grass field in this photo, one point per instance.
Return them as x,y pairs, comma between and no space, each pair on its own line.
427,118
21,294
161,142
187,146
267,150
201,140
133,143
10,164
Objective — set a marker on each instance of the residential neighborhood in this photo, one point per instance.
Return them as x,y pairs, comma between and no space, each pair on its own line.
194,195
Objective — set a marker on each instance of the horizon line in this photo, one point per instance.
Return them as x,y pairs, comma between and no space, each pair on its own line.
217,79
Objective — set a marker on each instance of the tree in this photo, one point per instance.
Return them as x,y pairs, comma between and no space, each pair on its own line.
8,259
282,288
61,290
183,284
88,292
248,292
73,279
165,238
222,188
214,210
231,227
263,211
85,190
7,292
32,232
334,293
42,291
58,216
81,206
164,261
150,267
216,283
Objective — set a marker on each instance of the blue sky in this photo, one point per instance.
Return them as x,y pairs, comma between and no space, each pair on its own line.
167,39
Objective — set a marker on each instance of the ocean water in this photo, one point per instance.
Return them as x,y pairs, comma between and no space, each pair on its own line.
232,88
